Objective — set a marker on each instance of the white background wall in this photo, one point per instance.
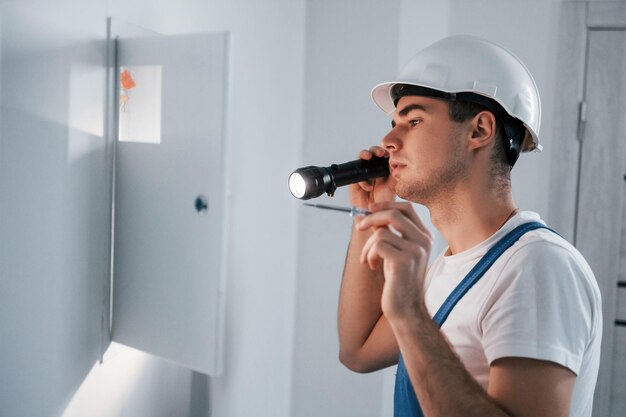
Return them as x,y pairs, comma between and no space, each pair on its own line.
53,211
301,75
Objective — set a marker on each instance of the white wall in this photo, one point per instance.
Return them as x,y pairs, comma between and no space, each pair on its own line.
53,256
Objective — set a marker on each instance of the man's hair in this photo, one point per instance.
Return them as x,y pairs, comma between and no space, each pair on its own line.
461,111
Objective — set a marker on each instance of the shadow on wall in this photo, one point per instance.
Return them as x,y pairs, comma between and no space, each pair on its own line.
53,219
51,263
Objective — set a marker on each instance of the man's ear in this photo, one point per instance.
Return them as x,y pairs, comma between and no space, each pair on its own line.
482,130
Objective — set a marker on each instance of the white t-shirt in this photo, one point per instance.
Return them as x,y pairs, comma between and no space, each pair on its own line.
539,300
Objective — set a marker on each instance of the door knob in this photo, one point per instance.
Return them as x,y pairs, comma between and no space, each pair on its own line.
202,204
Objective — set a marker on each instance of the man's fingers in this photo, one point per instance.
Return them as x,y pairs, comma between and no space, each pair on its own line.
366,185
365,154
380,251
378,151
365,192
406,209
400,222
370,253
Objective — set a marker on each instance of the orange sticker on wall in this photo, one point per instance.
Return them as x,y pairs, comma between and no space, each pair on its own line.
127,80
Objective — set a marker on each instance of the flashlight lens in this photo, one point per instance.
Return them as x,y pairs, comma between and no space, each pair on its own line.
297,185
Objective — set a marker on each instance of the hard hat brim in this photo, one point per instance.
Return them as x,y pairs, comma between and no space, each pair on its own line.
382,97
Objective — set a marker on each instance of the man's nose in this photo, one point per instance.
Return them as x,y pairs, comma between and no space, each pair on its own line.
391,141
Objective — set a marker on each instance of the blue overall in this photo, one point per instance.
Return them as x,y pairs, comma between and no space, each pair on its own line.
405,402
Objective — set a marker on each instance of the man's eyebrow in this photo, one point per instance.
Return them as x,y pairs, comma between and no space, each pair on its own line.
409,109
412,107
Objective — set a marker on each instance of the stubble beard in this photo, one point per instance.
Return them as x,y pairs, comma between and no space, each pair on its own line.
440,183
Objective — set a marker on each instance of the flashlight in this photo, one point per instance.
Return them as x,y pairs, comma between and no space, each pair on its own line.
310,182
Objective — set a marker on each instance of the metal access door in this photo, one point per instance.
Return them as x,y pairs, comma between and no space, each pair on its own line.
169,209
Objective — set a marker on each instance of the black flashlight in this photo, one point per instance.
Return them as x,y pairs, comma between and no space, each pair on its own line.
310,182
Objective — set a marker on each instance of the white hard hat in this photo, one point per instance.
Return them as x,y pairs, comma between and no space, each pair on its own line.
455,66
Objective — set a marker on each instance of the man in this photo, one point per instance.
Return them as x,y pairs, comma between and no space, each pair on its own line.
524,340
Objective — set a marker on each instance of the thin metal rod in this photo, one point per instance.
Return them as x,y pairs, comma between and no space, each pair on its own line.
114,139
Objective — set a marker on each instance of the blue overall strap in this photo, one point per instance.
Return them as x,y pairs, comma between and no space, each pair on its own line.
405,401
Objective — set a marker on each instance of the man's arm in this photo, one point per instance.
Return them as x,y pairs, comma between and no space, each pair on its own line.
518,387
530,387
366,342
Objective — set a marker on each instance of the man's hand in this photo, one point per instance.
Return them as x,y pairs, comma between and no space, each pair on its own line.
367,192
402,243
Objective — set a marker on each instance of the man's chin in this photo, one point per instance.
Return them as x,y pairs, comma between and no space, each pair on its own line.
409,193
403,191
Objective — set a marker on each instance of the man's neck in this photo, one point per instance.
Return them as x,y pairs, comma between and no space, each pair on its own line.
466,217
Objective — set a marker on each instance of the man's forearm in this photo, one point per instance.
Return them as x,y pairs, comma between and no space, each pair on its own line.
442,384
359,298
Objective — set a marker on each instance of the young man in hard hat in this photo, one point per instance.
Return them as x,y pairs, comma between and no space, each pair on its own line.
507,320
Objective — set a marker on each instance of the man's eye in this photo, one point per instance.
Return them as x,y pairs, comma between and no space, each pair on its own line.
414,122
